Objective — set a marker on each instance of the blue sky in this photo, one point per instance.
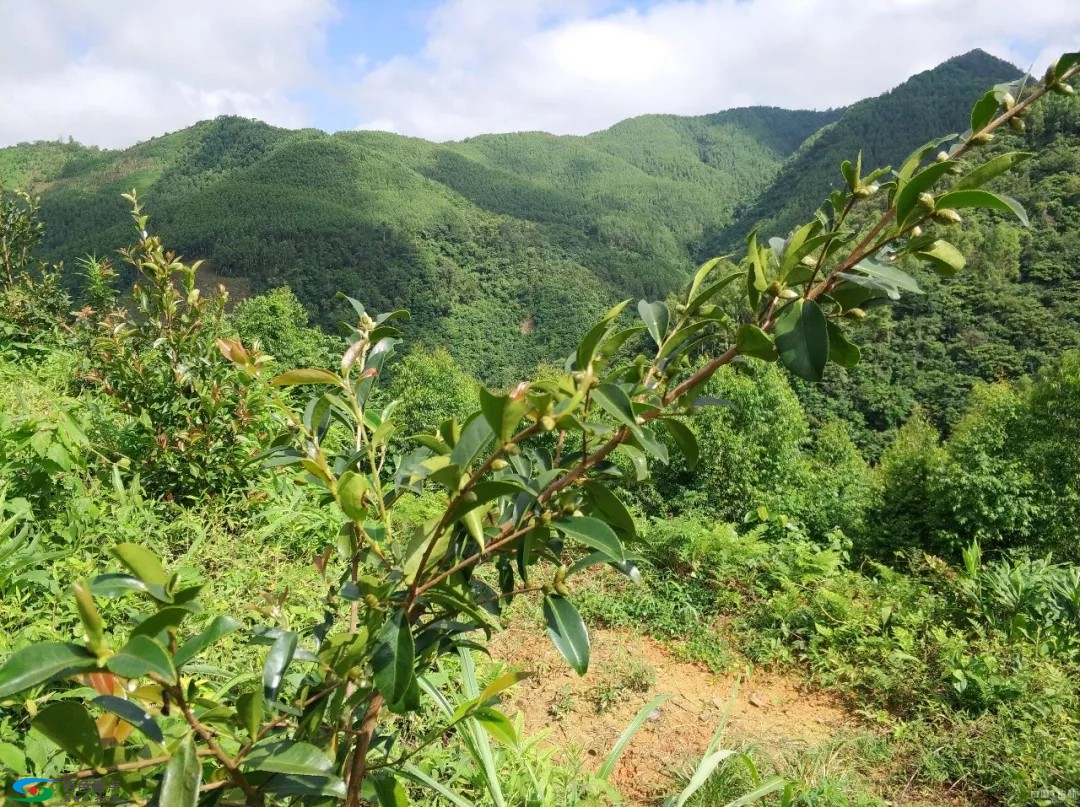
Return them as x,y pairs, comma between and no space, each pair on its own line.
112,74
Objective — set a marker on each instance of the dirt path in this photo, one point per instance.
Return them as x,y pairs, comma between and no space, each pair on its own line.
773,712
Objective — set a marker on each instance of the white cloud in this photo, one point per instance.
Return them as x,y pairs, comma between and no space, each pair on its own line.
572,66
112,73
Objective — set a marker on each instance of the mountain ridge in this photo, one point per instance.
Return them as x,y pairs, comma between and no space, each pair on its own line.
476,237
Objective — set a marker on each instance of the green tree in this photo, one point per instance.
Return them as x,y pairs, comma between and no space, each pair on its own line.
277,323
400,597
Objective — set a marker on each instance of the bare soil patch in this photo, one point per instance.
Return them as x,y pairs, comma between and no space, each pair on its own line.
773,712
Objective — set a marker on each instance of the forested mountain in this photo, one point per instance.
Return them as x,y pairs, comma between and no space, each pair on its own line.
535,225
459,233
886,128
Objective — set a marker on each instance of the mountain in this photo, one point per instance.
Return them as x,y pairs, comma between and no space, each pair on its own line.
503,246
886,129
520,236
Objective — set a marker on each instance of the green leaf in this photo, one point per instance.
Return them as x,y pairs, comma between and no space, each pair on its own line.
685,439
394,657
841,350
916,157
759,792
43,662
249,708
984,110
592,532
610,506
889,274
1066,61
616,403
389,790
475,436
132,713
288,784
219,628
418,777
183,775
288,756
984,199
277,662
142,656
502,683
496,724
503,413
70,726
309,375
89,615
946,259
612,759
113,585
567,631
753,341
141,562
587,349
991,169
12,758
656,317
908,197
160,621
711,291
802,339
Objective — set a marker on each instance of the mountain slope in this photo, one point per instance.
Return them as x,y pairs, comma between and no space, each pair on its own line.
503,246
886,128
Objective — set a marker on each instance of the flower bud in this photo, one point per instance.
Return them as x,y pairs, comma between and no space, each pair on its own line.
1017,125
1061,88
775,288
547,423
941,157
1008,101
856,313
926,201
947,216
786,294
916,231
498,464
980,139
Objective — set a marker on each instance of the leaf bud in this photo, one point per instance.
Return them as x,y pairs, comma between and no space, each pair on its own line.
775,288
788,294
926,201
947,216
980,138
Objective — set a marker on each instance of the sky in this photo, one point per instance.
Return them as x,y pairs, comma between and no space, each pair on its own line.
110,73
